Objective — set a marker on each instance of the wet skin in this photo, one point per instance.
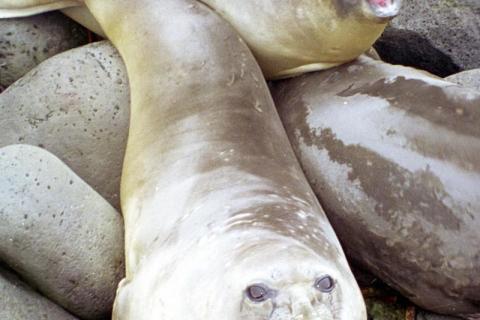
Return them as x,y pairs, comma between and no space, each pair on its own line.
393,154
209,173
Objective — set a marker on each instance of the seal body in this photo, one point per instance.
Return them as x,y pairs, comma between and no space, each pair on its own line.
216,207
286,37
293,37
394,156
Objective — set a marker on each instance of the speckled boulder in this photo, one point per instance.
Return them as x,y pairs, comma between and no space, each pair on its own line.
441,36
469,78
79,112
19,302
25,42
60,235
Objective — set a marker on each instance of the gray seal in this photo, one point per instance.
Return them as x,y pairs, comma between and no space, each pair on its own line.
393,154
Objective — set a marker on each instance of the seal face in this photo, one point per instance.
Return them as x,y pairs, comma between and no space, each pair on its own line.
381,9
285,291
274,278
374,10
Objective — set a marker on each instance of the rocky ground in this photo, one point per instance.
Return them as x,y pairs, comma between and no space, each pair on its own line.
441,36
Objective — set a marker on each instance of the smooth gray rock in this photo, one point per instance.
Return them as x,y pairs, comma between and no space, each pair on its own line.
423,315
79,112
441,36
469,78
405,47
25,42
61,236
20,302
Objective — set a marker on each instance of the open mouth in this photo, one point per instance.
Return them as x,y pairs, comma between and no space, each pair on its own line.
384,8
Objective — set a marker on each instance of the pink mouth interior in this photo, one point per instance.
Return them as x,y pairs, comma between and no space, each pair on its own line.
380,3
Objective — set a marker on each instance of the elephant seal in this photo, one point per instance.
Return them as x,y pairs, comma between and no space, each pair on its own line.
306,35
393,155
218,214
299,36
291,37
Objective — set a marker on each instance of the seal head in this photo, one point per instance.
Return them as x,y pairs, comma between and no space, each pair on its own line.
377,10
381,10
273,278
294,283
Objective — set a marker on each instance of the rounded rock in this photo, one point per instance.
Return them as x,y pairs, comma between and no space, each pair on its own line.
469,78
25,42
61,236
79,112
19,301
442,37
423,315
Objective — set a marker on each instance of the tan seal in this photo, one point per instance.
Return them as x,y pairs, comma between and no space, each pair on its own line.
220,221
298,36
393,154
292,37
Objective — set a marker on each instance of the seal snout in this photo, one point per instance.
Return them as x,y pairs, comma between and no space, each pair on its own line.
302,309
383,9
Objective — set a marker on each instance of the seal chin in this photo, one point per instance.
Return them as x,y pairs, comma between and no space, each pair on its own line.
381,10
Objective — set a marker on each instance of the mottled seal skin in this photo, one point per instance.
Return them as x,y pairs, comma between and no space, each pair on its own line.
216,206
393,155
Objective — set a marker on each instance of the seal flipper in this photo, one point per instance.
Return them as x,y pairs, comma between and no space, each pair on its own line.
22,8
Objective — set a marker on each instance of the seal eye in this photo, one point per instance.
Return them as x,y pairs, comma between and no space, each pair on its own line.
325,284
258,292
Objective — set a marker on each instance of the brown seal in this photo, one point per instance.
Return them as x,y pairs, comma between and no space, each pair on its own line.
393,154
